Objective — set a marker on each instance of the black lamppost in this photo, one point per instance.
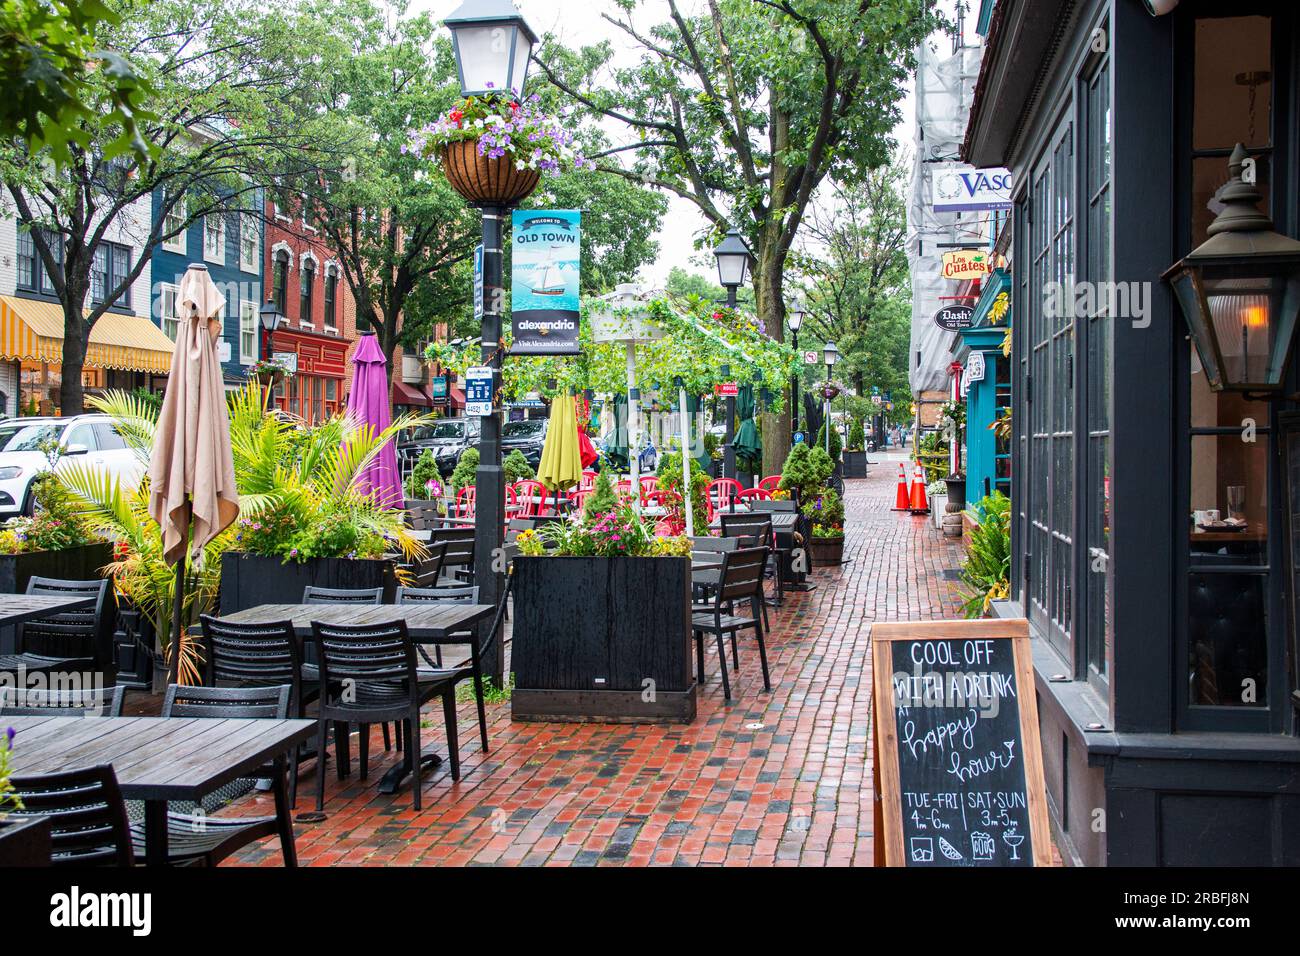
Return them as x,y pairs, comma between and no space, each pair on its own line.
798,309
492,43
734,259
270,317
830,355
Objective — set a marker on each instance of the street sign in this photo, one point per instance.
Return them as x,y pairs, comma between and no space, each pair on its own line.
876,400
478,391
726,390
799,437
811,358
478,283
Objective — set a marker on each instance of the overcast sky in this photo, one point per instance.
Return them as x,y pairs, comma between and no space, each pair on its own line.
579,23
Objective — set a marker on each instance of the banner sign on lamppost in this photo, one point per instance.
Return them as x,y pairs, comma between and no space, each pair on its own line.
478,283
545,274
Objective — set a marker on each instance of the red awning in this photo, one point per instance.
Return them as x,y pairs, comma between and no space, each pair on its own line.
457,397
404,394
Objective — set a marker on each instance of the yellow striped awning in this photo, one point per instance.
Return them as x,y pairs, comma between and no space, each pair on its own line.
32,331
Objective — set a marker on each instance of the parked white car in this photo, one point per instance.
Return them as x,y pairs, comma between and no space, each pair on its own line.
88,439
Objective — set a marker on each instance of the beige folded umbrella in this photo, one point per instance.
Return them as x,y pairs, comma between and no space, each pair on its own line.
192,491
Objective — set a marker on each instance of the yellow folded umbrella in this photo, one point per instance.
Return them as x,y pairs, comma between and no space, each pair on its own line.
561,464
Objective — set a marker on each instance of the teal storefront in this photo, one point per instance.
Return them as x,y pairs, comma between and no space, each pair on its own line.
987,379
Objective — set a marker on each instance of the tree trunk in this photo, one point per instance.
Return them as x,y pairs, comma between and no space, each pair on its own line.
71,394
768,290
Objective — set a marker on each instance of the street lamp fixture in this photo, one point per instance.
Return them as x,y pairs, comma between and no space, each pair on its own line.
794,318
830,355
1240,291
493,44
734,258
270,317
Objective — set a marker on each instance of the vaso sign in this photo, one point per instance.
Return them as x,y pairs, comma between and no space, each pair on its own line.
967,264
956,187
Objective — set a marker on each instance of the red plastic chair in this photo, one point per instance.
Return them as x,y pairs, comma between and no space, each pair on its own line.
465,502
721,492
649,484
578,499
588,481
624,490
754,494
512,503
770,483
526,491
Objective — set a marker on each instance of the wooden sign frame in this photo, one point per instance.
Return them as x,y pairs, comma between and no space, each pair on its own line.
888,831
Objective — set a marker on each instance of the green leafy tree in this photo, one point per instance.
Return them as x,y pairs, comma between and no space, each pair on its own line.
745,108
58,77
222,87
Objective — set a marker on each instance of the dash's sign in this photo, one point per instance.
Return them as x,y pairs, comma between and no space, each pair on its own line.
954,318
959,764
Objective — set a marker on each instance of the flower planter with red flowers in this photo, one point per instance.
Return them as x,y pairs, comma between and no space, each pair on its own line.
494,149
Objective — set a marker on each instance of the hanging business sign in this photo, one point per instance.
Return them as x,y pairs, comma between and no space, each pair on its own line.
956,187
545,272
954,318
963,264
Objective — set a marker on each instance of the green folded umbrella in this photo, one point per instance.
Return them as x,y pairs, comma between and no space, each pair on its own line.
617,448
697,441
747,442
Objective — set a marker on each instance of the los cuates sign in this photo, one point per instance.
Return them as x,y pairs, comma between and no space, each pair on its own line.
958,760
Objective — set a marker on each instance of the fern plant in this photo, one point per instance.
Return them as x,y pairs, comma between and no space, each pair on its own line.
986,573
304,481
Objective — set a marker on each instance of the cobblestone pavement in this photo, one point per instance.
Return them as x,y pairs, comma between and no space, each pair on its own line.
780,778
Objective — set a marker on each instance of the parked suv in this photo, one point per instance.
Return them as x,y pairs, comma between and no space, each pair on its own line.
527,437
447,438
86,439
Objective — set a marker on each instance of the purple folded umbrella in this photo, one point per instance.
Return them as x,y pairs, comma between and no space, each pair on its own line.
368,405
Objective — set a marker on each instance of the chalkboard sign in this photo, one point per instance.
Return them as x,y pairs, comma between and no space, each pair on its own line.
959,767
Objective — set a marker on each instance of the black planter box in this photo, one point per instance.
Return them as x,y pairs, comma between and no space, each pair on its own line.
248,580
590,632
25,841
855,464
71,564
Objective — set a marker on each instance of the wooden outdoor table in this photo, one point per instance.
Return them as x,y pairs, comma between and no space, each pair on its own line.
155,759
426,623
20,608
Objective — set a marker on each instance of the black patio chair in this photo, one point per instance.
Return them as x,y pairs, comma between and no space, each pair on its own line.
68,642
457,556
426,571
369,675
97,702
261,655
474,671
741,579
422,517
315,595
88,824
202,840
704,581
755,529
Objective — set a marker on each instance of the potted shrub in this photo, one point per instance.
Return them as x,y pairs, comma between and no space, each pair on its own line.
826,514
55,542
423,485
602,621
986,573
821,510
23,841
855,454
495,148
516,467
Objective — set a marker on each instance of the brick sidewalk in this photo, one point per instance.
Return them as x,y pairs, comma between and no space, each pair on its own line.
780,778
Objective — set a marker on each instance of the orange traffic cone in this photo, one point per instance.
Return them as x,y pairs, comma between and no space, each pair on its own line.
902,502
919,504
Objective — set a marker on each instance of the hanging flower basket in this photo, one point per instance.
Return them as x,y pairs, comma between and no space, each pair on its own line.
268,373
485,181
